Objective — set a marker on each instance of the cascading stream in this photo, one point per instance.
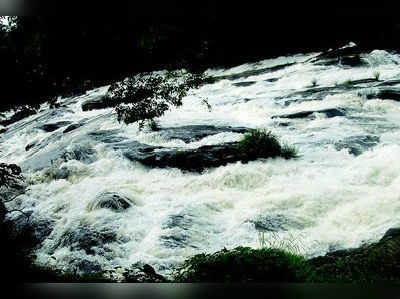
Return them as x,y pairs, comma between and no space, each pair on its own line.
342,191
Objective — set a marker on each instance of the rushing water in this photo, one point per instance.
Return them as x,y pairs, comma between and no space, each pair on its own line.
327,198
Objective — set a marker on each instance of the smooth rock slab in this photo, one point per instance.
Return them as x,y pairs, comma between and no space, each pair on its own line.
193,159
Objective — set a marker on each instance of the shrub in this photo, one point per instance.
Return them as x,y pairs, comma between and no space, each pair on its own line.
244,264
263,144
148,96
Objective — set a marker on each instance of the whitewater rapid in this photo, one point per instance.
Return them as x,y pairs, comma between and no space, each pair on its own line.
327,198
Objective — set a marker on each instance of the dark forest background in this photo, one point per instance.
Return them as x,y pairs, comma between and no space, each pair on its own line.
42,57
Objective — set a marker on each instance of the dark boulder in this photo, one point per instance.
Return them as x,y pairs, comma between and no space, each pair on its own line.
74,127
193,159
357,144
330,112
352,60
53,126
110,200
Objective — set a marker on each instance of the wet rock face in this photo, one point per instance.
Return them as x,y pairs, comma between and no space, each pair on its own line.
56,156
196,132
244,83
385,94
193,159
74,127
31,231
110,200
85,238
357,144
53,126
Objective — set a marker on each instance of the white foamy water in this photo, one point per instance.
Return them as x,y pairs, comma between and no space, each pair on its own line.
329,197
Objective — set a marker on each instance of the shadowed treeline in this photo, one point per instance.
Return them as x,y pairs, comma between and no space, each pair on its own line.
43,57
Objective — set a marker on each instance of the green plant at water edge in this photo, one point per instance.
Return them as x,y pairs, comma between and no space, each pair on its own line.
263,144
244,264
377,75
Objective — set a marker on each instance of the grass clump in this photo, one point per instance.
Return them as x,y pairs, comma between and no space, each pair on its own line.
263,144
244,264
377,75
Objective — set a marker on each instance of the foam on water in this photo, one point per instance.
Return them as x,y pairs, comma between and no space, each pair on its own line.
330,197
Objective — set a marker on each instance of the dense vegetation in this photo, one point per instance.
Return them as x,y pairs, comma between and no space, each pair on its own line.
377,263
244,264
263,144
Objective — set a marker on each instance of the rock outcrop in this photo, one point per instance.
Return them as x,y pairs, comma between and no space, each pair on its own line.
110,200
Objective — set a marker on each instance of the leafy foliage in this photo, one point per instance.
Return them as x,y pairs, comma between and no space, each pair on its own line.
244,264
263,144
148,96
